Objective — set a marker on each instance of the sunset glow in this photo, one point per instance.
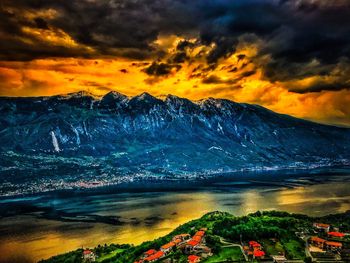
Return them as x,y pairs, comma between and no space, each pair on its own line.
47,52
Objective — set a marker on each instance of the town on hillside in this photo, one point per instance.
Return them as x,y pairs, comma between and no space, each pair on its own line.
263,236
323,243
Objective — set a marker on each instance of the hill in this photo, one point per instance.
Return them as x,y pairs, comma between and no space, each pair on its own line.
229,238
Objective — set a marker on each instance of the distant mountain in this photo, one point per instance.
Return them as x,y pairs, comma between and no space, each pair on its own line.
145,134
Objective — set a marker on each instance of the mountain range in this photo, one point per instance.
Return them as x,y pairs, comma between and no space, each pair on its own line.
80,135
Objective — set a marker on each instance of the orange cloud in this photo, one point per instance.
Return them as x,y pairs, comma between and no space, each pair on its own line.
238,77
57,76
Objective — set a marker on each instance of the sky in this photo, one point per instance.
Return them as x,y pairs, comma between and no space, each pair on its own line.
291,56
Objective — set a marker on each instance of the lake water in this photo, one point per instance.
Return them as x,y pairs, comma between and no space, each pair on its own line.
39,226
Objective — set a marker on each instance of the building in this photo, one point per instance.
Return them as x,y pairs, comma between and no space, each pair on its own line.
183,237
333,246
336,234
200,233
156,256
321,226
178,242
167,247
89,256
191,246
254,245
317,242
258,254
193,259
149,253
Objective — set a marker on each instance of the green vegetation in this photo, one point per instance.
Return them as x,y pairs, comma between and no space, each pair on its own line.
294,248
107,256
230,254
70,257
276,231
272,247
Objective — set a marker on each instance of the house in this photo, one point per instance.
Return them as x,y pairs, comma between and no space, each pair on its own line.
333,246
254,245
167,247
200,233
156,256
258,254
279,259
193,259
317,241
336,234
89,256
178,242
197,238
149,253
182,237
191,246
321,226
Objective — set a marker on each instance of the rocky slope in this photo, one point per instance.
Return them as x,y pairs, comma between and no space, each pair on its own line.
161,136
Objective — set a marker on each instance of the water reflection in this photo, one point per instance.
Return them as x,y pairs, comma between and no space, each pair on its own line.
149,215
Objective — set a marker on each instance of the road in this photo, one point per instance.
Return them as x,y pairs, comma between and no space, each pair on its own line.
229,244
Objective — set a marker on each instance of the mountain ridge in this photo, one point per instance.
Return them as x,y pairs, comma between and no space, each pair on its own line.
117,135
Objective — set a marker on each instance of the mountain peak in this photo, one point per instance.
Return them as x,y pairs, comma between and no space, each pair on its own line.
178,101
145,97
114,95
78,94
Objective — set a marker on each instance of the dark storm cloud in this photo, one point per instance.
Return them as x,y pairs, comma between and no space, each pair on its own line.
161,69
292,33
213,79
317,87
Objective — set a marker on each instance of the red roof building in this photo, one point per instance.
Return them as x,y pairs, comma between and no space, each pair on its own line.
254,244
150,252
259,253
317,240
197,238
88,255
155,256
321,225
177,241
336,234
193,259
200,233
334,244
192,243
167,247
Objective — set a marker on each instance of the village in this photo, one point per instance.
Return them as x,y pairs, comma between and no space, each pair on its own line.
195,247
328,244
323,243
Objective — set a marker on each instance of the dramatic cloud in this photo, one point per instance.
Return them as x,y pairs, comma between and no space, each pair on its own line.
248,50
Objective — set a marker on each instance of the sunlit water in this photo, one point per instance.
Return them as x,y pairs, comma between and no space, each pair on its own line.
41,226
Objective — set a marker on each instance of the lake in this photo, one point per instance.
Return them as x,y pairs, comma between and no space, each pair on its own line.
39,226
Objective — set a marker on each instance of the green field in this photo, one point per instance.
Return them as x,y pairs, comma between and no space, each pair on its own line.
295,249
228,253
272,248
104,257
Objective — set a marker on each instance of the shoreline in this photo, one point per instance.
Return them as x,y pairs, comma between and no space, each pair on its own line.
164,183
